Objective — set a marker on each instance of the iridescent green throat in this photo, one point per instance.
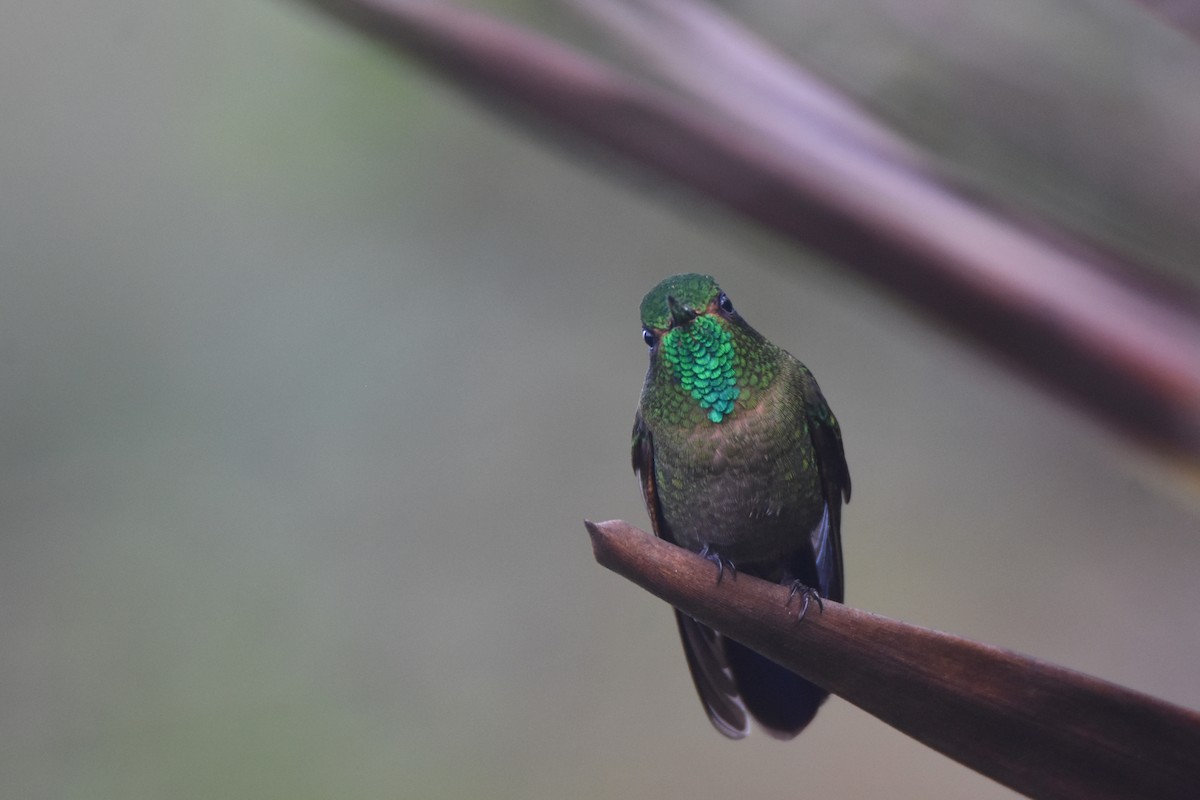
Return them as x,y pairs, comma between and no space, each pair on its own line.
702,359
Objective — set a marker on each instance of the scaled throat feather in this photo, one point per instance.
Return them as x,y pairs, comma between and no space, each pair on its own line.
703,362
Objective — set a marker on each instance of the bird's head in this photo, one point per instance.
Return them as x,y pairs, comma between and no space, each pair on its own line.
693,332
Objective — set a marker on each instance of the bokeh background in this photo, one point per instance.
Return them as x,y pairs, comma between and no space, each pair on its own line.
311,370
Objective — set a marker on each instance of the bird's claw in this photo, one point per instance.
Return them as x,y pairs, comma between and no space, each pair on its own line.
808,594
721,562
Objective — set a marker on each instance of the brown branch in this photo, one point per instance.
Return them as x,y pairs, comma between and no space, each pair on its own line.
712,57
1040,729
1079,322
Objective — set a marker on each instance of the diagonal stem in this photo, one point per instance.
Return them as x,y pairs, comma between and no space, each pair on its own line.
1035,727
1074,319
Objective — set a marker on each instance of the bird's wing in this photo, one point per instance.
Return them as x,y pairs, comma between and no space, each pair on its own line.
703,647
835,486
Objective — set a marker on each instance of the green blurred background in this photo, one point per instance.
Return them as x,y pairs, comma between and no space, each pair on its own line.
312,370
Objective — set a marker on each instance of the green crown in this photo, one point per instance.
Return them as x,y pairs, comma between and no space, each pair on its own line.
693,290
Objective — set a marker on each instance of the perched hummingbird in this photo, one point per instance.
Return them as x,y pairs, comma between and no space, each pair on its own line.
741,460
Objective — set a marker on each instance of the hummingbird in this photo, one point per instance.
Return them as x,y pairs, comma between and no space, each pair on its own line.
740,460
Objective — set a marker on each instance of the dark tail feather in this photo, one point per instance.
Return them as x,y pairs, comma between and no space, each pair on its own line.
705,651
780,701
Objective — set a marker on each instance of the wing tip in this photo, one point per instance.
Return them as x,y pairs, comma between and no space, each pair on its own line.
726,728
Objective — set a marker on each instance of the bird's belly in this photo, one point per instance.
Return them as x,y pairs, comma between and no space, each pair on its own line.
747,510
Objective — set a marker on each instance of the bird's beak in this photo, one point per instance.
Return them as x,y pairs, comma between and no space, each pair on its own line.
681,314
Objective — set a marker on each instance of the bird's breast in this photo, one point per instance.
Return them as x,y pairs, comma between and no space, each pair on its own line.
747,488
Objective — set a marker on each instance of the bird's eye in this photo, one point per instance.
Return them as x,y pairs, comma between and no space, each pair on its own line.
648,337
725,303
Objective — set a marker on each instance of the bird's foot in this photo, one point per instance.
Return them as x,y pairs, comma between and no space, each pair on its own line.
808,594
721,562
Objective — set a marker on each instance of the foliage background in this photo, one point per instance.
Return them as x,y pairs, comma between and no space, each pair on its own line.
311,370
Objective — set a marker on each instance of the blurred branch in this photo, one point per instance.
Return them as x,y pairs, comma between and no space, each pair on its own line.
724,64
1182,14
1123,347
1040,729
